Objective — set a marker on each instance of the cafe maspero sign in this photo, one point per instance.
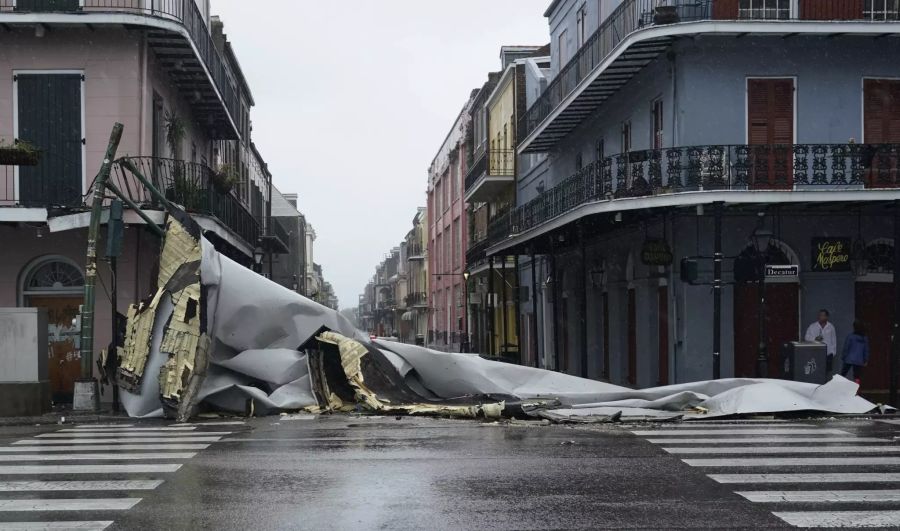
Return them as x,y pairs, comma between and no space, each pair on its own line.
831,254
656,253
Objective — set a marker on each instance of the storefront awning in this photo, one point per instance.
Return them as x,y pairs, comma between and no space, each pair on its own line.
408,316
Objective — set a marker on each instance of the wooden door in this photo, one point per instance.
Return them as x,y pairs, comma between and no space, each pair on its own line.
663,334
770,132
875,306
782,325
632,337
881,125
65,358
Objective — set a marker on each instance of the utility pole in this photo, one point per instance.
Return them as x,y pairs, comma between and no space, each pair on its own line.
895,337
717,291
86,396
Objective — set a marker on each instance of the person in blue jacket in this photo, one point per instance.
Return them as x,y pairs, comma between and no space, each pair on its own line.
856,351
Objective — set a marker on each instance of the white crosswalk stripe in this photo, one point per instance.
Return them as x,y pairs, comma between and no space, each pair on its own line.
96,447
794,447
114,440
45,486
56,526
87,469
841,518
738,431
47,463
761,440
85,426
822,496
883,449
130,430
828,477
98,457
69,504
118,434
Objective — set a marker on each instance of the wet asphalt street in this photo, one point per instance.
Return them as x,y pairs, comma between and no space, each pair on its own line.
351,472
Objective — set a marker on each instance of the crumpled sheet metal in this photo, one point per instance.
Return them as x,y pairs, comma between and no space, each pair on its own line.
263,355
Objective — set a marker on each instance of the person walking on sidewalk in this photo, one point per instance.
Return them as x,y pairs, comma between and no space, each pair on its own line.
856,351
822,331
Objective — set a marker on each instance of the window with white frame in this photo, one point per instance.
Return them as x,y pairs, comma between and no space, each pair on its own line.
764,9
882,10
580,25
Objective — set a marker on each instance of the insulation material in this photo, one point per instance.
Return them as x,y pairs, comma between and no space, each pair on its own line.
180,342
136,348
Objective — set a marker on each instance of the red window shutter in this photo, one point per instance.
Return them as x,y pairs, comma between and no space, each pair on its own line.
758,111
725,9
831,9
893,114
874,111
782,121
770,111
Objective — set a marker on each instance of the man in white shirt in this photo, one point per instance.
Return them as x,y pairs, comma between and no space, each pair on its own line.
823,331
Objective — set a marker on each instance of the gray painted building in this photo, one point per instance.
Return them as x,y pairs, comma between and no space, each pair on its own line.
652,117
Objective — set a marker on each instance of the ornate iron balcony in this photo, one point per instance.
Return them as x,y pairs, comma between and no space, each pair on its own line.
797,167
184,12
417,299
476,170
503,162
633,15
196,187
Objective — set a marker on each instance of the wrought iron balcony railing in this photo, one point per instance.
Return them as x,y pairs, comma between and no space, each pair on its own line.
503,162
633,15
417,299
415,251
196,187
185,12
797,167
476,170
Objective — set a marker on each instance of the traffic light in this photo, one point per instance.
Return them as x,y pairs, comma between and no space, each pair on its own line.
690,270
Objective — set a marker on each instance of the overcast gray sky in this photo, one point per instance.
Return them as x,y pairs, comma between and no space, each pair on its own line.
353,99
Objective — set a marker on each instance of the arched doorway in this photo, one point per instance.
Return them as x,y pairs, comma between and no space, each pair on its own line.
781,314
875,307
57,284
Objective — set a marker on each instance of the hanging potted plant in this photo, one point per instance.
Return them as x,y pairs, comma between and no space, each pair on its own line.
225,177
666,14
20,153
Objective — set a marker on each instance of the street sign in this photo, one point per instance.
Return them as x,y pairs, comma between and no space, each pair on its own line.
781,271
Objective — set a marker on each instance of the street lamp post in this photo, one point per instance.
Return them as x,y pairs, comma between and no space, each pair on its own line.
258,254
762,238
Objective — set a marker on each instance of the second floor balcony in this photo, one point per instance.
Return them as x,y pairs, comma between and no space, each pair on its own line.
199,189
177,30
702,174
637,32
497,173
417,299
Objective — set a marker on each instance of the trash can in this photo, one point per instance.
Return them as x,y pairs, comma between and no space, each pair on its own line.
805,362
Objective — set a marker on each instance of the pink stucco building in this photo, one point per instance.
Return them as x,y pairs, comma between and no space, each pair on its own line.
70,70
447,237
